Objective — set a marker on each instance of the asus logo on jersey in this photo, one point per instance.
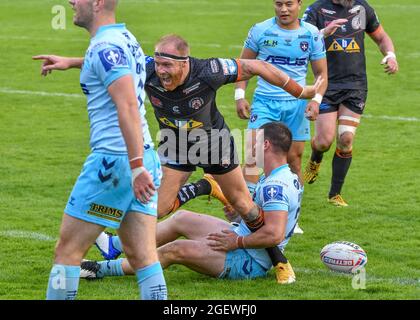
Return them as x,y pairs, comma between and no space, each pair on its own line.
286,61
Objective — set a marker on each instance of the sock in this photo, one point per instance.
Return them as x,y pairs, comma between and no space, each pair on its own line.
63,282
316,155
151,282
116,242
340,166
110,268
276,255
193,190
251,187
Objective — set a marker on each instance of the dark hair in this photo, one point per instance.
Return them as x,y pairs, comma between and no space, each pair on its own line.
279,136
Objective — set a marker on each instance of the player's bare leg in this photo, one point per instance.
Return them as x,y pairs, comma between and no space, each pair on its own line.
325,127
138,237
194,227
348,122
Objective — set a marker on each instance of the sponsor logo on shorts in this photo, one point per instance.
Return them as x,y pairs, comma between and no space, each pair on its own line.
253,117
105,212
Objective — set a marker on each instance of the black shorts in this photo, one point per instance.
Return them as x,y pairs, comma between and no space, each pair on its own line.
226,161
355,100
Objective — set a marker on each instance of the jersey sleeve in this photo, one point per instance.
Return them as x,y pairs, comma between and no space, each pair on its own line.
310,16
251,41
150,67
110,62
274,198
372,20
318,46
218,72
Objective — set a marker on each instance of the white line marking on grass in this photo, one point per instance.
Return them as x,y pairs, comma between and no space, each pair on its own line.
41,93
22,234
405,119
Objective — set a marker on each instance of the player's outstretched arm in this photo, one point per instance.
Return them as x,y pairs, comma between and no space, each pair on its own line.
52,62
271,74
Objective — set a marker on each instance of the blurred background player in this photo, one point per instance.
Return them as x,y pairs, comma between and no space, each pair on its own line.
288,44
116,187
346,96
215,247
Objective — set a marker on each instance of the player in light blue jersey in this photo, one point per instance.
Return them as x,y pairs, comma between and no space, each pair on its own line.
222,250
289,44
118,182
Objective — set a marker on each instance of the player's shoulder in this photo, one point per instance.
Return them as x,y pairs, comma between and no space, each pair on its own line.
317,5
313,30
261,27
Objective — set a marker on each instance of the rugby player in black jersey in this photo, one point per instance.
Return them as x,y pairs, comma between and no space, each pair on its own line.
347,82
182,91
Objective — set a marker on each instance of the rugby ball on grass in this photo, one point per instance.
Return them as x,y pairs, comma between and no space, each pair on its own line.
342,256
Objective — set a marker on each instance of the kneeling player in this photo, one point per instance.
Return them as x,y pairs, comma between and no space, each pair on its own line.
217,248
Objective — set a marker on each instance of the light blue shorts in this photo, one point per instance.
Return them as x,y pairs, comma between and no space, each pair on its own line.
240,265
289,112
103,193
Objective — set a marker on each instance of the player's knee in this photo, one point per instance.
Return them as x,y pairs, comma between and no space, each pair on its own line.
345,141
67,254
174,252
182,216
322,144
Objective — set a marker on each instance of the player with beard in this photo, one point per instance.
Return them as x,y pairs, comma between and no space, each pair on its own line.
347,82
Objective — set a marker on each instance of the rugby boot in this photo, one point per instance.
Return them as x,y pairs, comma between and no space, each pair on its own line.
89,270
284,273
105,246
338,201
216,192
311,172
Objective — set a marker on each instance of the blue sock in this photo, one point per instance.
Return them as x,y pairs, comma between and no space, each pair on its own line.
151,282
251,187
116,242
63,282
110,268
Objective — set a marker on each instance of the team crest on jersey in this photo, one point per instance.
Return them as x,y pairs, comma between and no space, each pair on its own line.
196,103
156,102
112,57
304,45
272,193
348,45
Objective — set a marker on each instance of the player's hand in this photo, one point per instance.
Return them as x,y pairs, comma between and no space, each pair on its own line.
312,110
224,241
52,62
310,91
391,65
333,26
143,187
242,108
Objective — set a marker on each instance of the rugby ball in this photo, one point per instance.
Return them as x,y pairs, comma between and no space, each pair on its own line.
343,256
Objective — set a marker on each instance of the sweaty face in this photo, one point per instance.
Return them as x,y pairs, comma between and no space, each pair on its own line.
287,11
170,72
83,12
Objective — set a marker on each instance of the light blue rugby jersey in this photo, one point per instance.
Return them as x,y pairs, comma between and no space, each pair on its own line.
280,191
288,50
113,53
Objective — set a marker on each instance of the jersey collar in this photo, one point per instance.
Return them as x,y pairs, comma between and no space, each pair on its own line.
110,26
276,170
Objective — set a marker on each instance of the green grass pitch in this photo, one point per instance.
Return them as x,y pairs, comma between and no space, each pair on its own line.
44,141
